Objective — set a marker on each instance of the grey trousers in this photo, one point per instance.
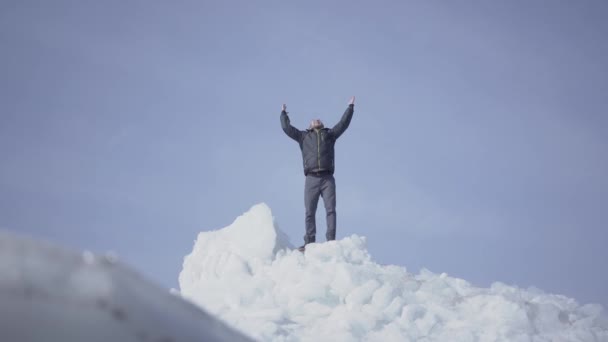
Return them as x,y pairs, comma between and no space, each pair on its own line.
324,186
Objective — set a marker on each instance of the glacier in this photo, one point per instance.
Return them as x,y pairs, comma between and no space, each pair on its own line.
246,282
249,275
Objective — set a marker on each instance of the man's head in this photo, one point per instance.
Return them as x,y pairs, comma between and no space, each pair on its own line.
316,124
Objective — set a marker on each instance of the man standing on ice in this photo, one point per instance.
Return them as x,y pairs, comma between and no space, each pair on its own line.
317,146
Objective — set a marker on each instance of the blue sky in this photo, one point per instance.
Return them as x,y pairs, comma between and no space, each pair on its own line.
478,145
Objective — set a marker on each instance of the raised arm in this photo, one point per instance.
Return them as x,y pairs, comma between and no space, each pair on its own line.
341,126
291,131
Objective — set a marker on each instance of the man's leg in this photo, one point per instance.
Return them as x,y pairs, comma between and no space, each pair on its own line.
328,191
312,190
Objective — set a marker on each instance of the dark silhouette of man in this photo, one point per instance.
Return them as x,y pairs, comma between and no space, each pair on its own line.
317,146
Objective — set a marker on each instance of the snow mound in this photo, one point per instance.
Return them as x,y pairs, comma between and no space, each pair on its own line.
51,294
249,275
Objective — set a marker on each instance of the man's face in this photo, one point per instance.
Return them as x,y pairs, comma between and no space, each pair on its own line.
316,124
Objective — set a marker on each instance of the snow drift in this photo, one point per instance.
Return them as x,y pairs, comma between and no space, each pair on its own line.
51,294
249,275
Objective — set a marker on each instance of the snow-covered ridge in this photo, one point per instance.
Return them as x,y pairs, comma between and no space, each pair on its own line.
48,293
249,275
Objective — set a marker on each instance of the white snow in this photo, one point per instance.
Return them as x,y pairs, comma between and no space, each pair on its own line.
249,275
51,294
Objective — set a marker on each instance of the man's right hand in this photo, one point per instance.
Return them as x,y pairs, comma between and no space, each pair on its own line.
284,107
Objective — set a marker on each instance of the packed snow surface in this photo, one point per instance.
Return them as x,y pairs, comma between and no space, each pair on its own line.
50,294
249,275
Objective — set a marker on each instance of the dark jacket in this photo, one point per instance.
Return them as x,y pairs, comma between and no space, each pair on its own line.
317,146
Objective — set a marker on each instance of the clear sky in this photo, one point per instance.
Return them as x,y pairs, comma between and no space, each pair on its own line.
478,146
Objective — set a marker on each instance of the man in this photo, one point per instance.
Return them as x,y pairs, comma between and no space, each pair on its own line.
317,146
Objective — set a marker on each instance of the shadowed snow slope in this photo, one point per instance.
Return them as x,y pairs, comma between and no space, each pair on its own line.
51,294
249,275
